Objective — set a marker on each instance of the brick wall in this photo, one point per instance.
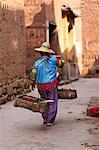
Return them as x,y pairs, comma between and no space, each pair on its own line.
90,26
12,40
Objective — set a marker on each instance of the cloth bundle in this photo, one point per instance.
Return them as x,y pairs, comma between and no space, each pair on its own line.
67,93
32,103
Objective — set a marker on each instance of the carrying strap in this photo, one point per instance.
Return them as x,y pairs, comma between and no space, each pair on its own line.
40,62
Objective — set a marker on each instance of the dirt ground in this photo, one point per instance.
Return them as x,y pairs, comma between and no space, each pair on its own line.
21,129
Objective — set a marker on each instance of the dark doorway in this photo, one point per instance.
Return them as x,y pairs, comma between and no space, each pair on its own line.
53,37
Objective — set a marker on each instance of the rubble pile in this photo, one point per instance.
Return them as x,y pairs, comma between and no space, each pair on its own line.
93,107
9,90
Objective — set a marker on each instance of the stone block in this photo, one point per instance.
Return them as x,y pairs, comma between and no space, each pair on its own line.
0,91
19,91
9,98
4,90
15,91
93,107
15,84
27,90
10,89
3,99
26,84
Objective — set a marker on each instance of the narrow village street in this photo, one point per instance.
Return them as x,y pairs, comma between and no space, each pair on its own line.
21,129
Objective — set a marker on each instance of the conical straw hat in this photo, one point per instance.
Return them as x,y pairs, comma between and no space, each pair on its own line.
45,47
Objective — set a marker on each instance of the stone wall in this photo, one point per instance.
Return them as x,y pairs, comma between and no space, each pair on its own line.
90,27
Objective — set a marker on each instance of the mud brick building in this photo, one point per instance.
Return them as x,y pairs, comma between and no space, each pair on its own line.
37,13
90,37
70,26
12,39
16,44
41,20
12,49
79,47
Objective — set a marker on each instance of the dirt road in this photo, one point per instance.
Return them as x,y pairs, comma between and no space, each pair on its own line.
21,129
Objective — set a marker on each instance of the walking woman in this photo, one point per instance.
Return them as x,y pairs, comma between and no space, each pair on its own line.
44,74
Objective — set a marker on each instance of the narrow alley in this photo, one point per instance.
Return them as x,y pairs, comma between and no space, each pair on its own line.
21,129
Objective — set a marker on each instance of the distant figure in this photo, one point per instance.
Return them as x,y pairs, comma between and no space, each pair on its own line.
44,74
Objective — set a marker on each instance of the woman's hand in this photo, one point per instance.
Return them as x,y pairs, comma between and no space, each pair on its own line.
32,84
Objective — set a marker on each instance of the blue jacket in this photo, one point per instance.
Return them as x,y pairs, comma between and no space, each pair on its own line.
46,69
